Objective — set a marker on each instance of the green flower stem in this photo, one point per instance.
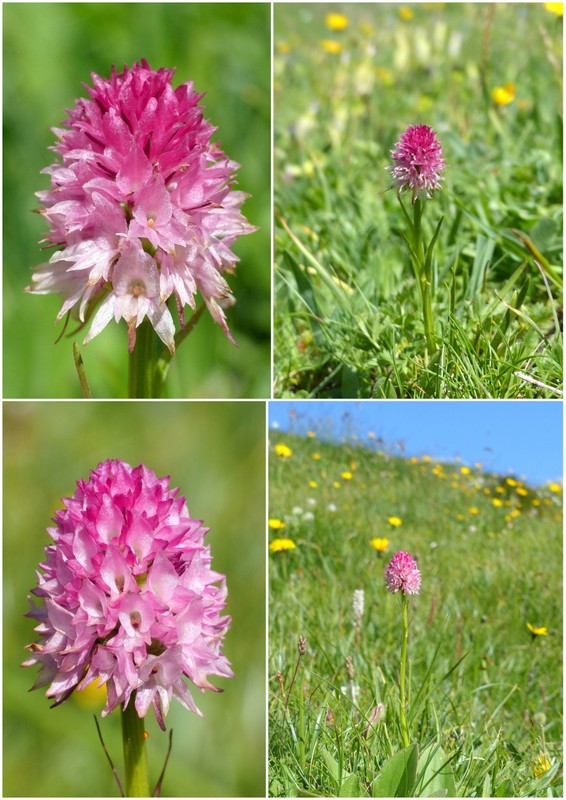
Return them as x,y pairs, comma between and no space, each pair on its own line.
402,699
135,758
425,279
142,363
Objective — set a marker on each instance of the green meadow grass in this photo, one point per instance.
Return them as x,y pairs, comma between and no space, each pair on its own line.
481,687
347,317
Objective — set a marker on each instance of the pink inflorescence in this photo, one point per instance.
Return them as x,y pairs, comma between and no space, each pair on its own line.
129,598
403,574
418,161
141,206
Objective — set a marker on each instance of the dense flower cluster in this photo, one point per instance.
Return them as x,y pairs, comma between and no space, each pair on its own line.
403,574
129,598
141,206
418,161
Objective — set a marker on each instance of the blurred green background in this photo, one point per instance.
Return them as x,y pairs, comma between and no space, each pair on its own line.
50,49
215,454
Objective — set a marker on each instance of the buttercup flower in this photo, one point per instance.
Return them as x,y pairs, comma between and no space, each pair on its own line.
537,630
402,573
141,206
129,598
380,544
418,161
283,451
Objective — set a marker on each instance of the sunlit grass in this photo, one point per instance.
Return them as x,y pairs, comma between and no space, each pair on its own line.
347,317
482,684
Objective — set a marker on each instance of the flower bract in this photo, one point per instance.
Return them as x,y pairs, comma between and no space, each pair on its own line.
129,598
141,206
402,574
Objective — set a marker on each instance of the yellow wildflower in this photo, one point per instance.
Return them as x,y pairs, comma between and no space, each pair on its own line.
277,545
555,8
311,434
473,510
384,76
465,470
316,456
283,450
331,46
380,545
336,22
497,502
276,524
353,465
347,476
395,521
500,490
511,482
91,697
542,764
556,488
536,502
336,485
522,491
313,484
537,631
460,517
503,95
406,13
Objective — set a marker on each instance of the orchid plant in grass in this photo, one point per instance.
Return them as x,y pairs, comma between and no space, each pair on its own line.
128,599
418,167
142,215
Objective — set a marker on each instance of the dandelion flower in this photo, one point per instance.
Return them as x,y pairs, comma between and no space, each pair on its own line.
406,14
313,484
283,451
418,161
337,22
276,524
347,476
141,206
555,8
555,488
278,545
537,631
497,502
331,46
503,95
316,456
542,762
380,544
394,521
465,470
129,598
403,574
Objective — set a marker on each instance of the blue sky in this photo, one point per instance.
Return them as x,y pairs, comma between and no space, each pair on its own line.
518,436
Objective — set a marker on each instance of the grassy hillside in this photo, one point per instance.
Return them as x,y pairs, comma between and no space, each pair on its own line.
482,686
348,319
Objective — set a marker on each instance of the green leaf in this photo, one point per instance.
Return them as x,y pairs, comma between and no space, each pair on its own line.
351,787
332,765
437,775
397,778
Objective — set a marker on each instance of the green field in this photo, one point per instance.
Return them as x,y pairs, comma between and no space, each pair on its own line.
485,695
215,454
49,51
488,78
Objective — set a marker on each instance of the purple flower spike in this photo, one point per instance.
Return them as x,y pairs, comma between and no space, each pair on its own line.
403,574
418,161
129,597
141,206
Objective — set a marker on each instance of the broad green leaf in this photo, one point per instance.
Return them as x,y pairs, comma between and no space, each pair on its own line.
351,787
436,773
397,778
332,765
